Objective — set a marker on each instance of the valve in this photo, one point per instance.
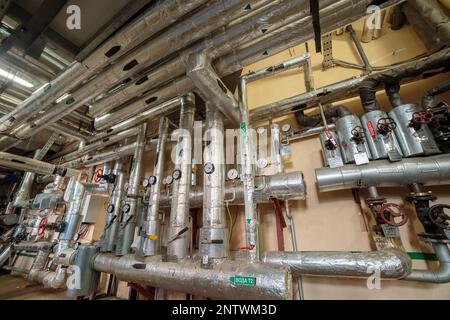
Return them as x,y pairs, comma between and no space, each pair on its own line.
330,143
386,125
390,211
358,134
420,118
42,226
438,217
98,174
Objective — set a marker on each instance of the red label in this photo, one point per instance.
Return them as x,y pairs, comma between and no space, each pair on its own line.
372,132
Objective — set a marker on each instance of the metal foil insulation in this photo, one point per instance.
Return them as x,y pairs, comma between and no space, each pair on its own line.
227,279
389,264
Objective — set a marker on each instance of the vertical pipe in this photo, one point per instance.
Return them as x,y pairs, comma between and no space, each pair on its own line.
23,194
179,234
213,234
113,210
277,162
247,157
152,242
128,220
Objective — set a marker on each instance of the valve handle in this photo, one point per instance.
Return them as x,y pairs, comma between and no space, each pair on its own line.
390,211
386,125
358,134
422,117
42,226
98,175
438,217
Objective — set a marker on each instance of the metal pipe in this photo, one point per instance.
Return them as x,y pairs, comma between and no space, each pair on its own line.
389,264
22,196
282,186
200,71
441,275
107,243
433,170
359,48
213,233
67,131
151,242
226,279
179,233
13,161
128,218
309,132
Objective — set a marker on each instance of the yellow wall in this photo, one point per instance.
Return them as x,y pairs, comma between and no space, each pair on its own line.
332,221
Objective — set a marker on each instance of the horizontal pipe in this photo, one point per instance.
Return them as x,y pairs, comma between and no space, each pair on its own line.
441,275
433,170
33,246
224,280
13,161
389,264
281,186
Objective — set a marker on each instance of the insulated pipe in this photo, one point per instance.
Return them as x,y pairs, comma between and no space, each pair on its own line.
151,243
213,233
428,97
153,21
441,275
23,193
175,38
275,137
179,233
432,170
274,15
104,142
389,264
67,131
314,120
282,186
128,219
114,208
45,246
16,162
211,88
247,175
227,279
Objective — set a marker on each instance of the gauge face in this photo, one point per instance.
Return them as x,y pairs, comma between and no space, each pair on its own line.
262,163
110,208
176,174
261,130
168,180
286,127
209,167
145,183
232,174
126,208
152,180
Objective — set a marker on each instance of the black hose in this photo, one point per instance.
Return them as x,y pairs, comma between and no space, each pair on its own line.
367,94
393,93
315,120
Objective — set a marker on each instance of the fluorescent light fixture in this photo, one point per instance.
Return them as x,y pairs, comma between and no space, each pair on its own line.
12,77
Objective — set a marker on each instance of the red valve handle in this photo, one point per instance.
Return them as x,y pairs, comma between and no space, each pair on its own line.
386,124
42,225
98,175
422,117
390,211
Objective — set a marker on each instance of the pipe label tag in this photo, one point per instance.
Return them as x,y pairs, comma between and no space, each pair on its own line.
243,281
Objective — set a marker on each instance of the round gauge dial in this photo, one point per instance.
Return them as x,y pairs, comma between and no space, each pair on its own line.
232,174
152,180
286,127
169,180
145,183
262,163
110,208
126,208
176,174
209,168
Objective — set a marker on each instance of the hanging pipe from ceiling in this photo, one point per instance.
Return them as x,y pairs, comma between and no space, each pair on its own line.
175,38
127,223
179,233
151,240
117,46
271,17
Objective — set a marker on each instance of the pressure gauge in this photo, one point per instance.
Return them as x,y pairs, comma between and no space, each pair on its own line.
286,127
261,130
152,180
176,174
110,208
168,180
262,163
126,208
232,174
209,168
145,183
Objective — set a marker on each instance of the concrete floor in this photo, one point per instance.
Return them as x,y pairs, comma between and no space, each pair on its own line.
18,288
